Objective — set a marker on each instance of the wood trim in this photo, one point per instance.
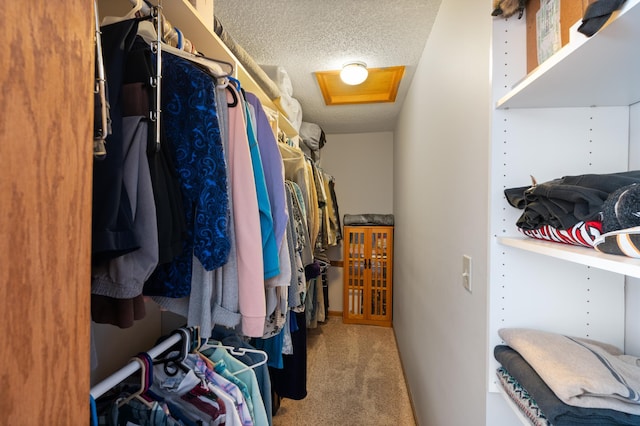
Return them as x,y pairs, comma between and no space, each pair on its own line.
379,323
46,129
406,380
381,86
570,13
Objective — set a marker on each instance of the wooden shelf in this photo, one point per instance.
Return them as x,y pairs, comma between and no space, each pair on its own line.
582,255
183,15
580,74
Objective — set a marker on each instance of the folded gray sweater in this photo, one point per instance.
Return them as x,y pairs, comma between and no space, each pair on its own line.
581,372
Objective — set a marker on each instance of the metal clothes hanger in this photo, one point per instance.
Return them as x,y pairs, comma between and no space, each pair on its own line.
155,81
156,46
194,56
99,148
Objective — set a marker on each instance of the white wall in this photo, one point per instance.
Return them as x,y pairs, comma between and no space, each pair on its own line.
362,164
441,191
115,346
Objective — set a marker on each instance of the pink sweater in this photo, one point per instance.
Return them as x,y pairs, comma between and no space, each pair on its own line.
246,216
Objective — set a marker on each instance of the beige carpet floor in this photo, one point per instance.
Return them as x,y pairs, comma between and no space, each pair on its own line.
354,377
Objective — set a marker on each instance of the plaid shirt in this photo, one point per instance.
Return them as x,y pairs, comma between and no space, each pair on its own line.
201,368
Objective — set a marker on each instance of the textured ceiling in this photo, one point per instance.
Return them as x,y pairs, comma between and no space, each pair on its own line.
305,36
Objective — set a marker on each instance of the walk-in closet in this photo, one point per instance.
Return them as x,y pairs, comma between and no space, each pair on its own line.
195,233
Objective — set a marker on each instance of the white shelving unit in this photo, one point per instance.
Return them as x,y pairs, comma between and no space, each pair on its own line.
583,73
582,255
569,116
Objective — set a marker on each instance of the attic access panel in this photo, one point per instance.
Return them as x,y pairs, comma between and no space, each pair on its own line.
381,86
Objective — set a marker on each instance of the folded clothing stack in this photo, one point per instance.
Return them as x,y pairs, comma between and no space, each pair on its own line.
594,210
290,105
621,219
572,380
313,139
368,219
267,85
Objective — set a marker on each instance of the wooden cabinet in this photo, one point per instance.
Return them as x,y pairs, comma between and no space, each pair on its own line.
368,275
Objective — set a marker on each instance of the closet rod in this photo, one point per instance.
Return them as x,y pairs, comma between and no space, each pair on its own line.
101,388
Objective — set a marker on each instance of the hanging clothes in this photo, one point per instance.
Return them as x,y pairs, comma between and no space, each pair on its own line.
252,304
273,167
123,277
336,226
298,237
214,297
291,380
152,191
247,215
191,129
189,386
229,338
271,262
137,98
112,222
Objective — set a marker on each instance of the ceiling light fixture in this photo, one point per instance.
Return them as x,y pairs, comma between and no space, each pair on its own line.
354,73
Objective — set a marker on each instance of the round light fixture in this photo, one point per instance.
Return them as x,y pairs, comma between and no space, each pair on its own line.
354,73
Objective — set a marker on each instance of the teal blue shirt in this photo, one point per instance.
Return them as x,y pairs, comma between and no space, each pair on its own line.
270,257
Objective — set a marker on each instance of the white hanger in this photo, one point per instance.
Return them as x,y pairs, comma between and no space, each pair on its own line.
136,7
236,351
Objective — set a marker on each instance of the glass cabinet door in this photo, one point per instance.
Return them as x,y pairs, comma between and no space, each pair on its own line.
355,263
380,286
